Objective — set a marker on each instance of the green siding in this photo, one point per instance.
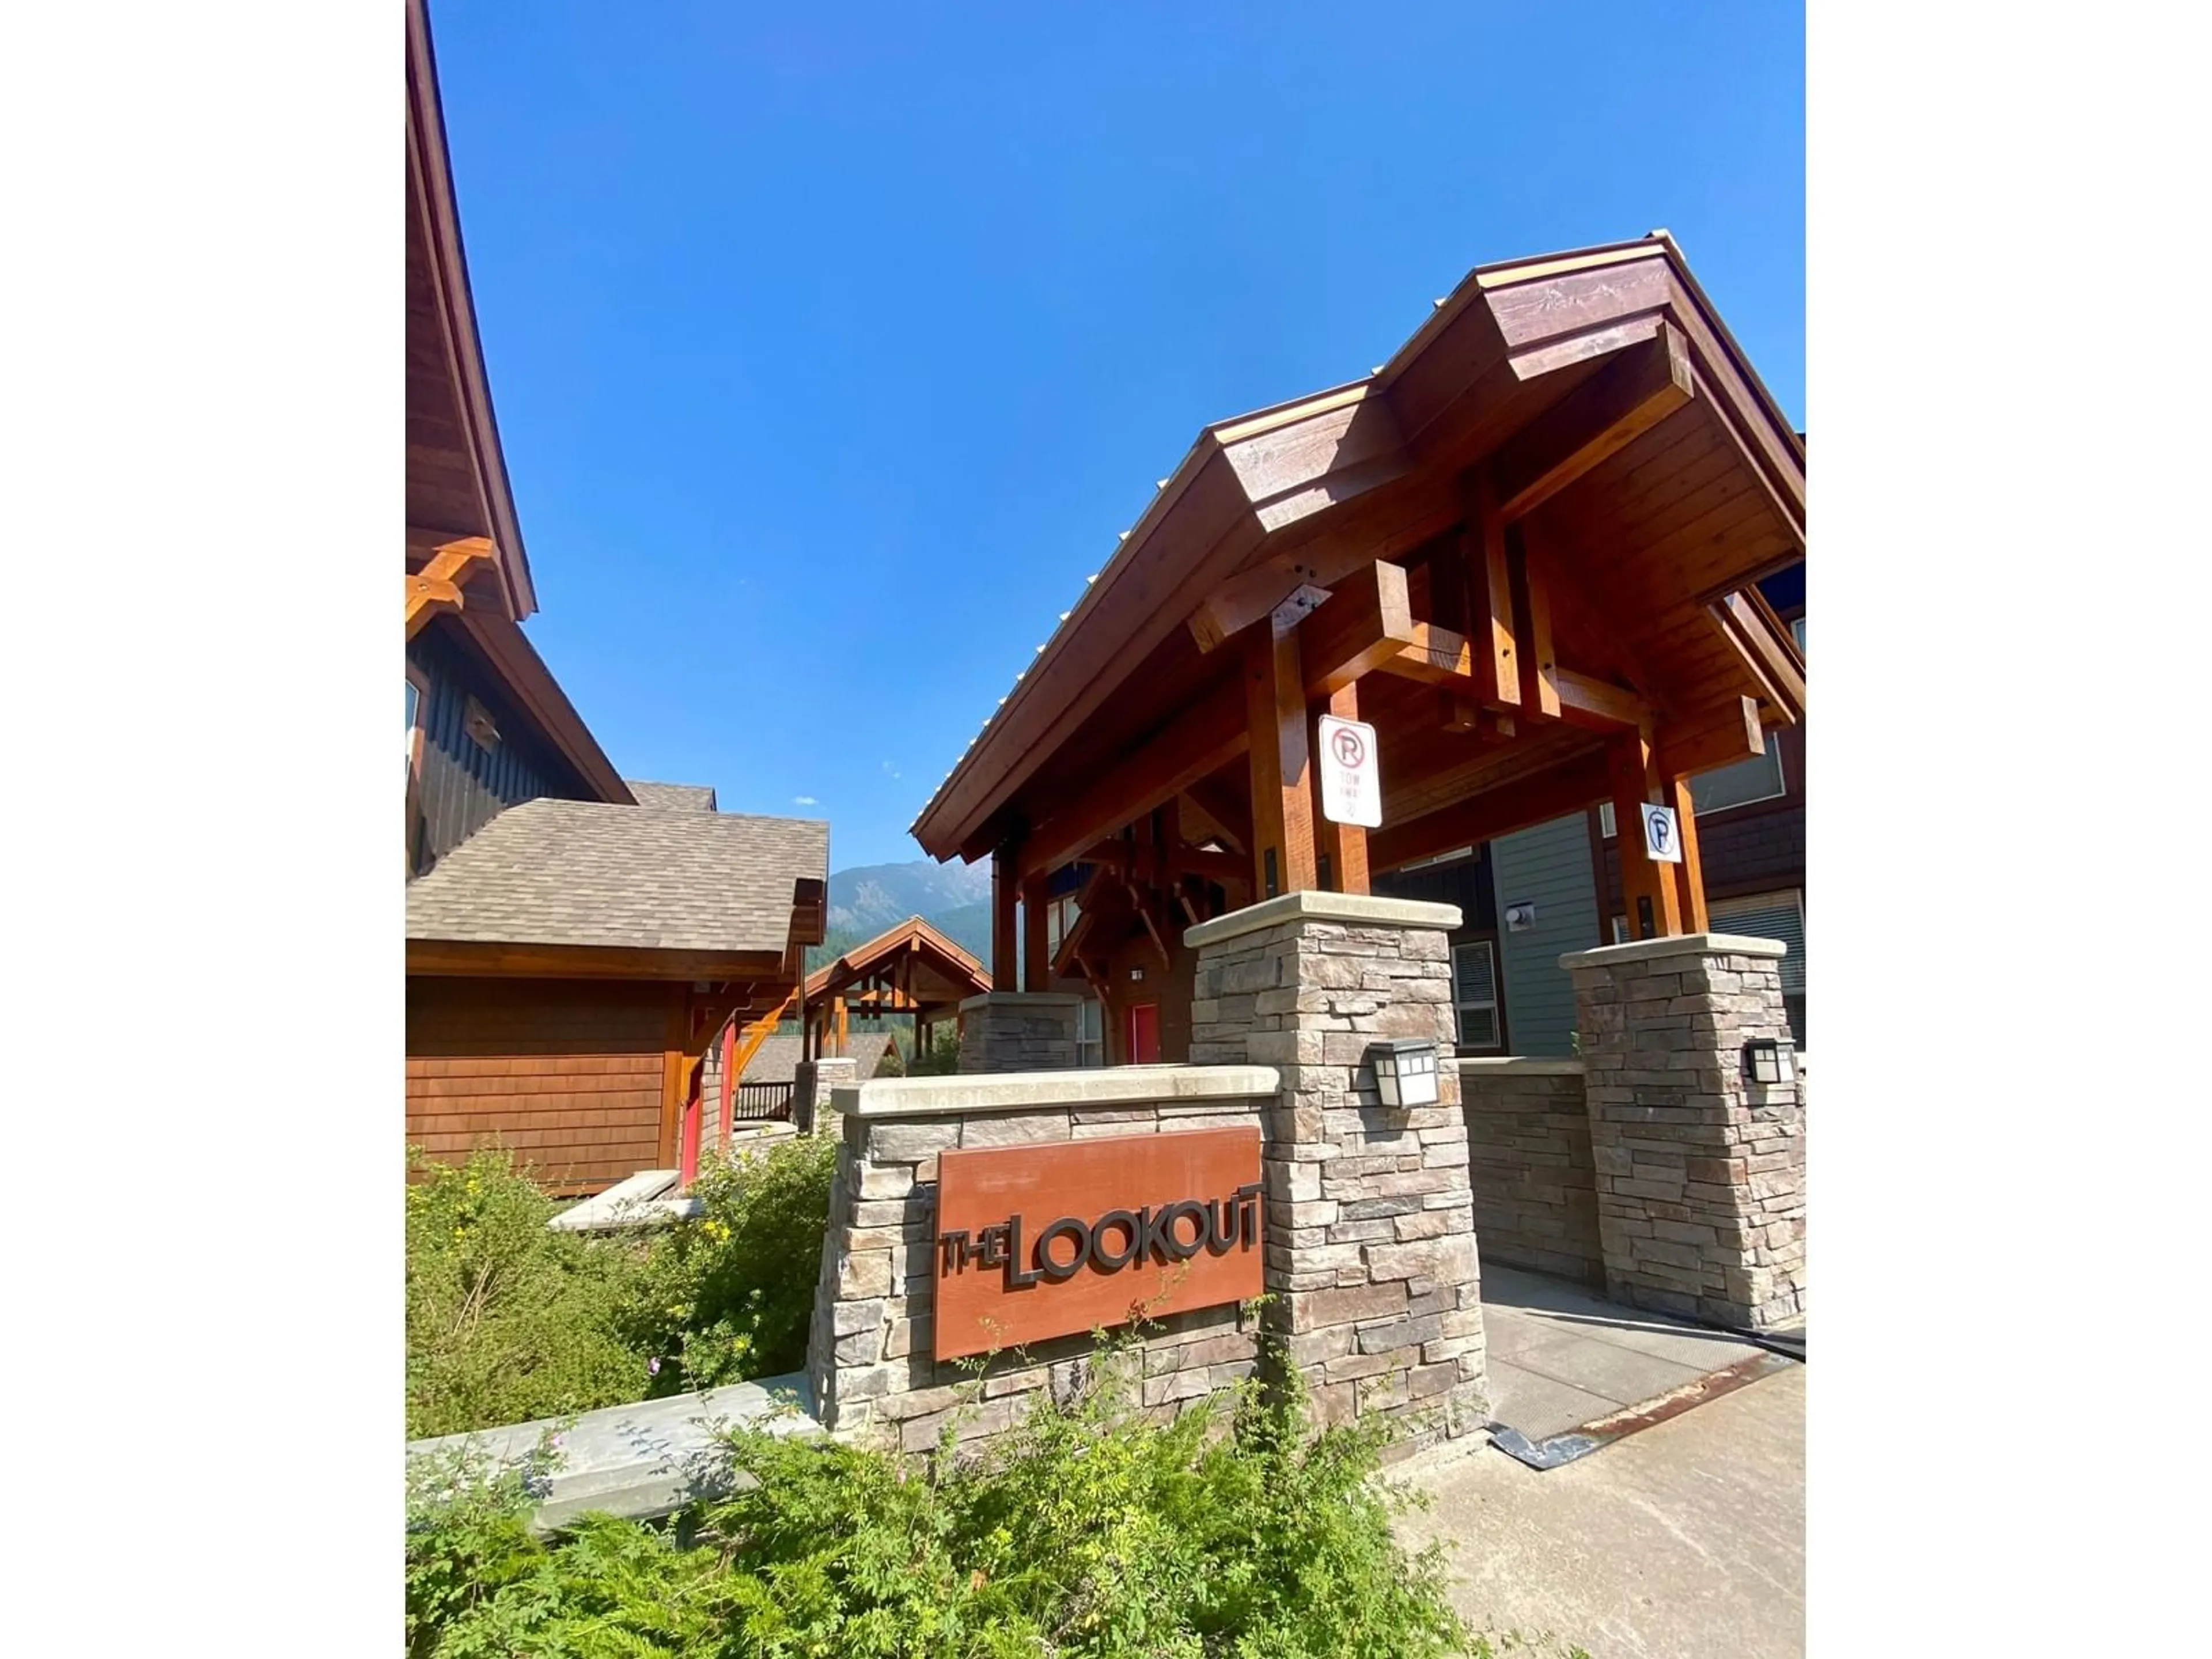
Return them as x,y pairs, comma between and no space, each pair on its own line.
1548,866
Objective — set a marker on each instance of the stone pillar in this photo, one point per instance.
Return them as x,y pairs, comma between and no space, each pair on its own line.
1018,1032
1700,1172
1371,1264
811,1080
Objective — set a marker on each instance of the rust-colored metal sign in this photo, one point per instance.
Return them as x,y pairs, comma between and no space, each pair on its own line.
1035,1242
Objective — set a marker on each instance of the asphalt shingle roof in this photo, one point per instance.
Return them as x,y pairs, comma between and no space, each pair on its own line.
642,878
776,1061
692,797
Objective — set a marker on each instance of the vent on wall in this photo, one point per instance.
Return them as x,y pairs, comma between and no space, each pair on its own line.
482,730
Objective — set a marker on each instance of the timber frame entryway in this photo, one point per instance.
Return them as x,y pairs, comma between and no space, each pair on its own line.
1525,550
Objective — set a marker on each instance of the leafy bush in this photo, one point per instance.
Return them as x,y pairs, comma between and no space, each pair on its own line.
1233,1531
508,1321
729,1294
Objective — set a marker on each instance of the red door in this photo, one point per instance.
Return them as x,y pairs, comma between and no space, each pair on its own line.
1145,1034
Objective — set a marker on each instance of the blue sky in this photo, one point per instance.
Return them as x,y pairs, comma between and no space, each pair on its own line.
833,349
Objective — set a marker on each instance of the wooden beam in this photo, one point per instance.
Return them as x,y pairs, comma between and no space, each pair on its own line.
1767,652
1571,786
1342,846
1221,802
1036,963
1532,614
1647,889
1598,419
1275,718
1006,889
1489,606
436,587
1690,873
1595,706
1204,738
1706,739
1367,621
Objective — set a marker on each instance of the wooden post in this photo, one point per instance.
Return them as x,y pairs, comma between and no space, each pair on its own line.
1489,605
672,1075
1282,801
842,1028
1690,873
1004,889
1037,953
1647,890
1343,846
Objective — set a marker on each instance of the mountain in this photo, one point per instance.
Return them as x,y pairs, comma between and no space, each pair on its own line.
875,896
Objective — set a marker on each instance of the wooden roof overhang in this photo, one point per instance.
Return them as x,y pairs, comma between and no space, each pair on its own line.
1580,428
908,969
464,555
457,484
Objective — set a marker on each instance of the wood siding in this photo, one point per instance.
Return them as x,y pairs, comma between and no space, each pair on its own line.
461,785
568,1074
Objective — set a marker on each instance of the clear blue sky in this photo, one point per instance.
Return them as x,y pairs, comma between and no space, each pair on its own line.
833,347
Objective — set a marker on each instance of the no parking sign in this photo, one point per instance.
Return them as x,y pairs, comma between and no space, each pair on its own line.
1663,834
1351,785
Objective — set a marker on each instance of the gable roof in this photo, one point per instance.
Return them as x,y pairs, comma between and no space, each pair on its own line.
959,973
776,1060
1368,469
688,797
589,873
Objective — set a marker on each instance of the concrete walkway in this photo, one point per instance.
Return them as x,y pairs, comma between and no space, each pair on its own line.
1562,1357
1684,1540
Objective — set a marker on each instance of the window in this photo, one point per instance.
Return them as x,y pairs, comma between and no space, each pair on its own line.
1605,819
1058,918
1474,994
1452,857
1797,628
1758,777
413,714
1090,1033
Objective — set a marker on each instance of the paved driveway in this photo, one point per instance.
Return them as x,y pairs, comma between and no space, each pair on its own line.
1684,1540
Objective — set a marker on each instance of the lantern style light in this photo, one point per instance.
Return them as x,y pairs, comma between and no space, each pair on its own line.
1405,1071
1764,1061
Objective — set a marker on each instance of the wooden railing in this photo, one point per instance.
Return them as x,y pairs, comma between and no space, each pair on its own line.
762,1102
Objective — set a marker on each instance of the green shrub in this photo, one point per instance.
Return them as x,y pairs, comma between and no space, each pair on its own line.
728,1295
506,1320
1087,1531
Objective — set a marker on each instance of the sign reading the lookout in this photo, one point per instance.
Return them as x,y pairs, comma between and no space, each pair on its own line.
1351,786
1035,1242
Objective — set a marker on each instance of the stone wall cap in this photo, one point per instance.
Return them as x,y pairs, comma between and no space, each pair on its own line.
1516,1065
1358,909
1680,945
1020,1000
1019,1092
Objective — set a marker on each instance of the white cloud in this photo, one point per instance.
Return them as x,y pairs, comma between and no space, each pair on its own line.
804,800
890,770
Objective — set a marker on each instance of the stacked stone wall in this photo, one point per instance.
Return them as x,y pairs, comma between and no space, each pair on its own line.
1529,1165
1699,1170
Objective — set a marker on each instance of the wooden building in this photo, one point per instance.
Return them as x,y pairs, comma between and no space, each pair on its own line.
574,941
1526,550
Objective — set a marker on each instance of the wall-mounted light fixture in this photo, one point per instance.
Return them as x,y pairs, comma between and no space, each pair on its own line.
1765,1060
1405,1071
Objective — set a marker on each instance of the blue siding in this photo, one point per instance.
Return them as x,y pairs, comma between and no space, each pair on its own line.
463,787
1548,866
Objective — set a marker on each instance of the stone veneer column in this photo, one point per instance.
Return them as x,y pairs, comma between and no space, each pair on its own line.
1371,1266
811,1080
1700,1172
1018,1032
